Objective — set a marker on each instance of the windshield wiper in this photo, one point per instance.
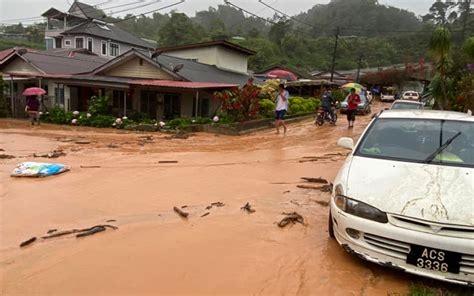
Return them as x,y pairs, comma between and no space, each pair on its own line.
441,148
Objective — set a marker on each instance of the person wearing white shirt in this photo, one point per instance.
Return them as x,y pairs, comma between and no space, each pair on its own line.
281,108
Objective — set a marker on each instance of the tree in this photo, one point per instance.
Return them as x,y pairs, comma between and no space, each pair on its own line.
440,46
179,30
278,31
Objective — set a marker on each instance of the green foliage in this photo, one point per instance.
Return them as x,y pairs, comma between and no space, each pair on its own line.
4,104
99,105
55,115
181,123
138,116
301,105
102,121
469,47
242,102
179,30
338,95
9,43
267,108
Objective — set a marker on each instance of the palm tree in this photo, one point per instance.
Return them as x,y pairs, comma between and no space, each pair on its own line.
440,46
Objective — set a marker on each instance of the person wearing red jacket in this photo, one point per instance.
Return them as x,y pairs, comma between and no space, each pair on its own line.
352,102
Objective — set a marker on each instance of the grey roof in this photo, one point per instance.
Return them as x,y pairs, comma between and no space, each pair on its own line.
51,63
198,72
89,11
112,32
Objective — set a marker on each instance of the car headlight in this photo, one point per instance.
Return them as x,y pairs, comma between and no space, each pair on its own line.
357,208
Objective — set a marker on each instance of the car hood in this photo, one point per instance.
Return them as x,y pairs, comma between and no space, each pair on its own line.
443,194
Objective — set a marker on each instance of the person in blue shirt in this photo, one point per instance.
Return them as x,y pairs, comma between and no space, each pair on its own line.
327,103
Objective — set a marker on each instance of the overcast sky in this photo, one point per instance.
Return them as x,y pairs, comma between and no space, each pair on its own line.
16,9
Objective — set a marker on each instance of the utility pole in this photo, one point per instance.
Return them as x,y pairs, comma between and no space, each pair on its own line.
466,16
359,65
334,54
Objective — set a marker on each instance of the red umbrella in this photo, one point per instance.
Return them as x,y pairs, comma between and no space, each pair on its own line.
282,74
34,91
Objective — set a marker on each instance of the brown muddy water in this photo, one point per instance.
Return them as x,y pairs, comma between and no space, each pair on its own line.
134,180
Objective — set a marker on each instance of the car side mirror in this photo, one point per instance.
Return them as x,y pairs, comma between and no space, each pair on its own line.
347,143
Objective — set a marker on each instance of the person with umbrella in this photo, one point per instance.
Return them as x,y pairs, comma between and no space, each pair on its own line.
281,108
32,103
353,102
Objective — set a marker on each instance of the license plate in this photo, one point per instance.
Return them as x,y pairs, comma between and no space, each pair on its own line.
434,259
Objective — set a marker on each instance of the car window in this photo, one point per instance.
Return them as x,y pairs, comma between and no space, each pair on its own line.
406,106
414,140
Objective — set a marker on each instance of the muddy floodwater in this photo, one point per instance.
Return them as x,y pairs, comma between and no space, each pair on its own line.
133,181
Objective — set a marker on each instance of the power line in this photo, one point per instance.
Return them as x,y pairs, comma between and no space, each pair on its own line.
148,12
287,15
259,17
136,7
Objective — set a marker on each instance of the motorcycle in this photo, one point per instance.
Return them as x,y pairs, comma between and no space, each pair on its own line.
324,116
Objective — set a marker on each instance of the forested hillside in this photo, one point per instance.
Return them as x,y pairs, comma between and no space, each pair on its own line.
375,34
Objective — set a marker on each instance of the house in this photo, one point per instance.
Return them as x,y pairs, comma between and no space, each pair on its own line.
338,77
157,85
221,53
83,26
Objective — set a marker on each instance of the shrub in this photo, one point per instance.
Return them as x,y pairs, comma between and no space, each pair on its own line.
302,105
102,121
178,123
241,103
138,116
99,105
338,95
55,115
267,108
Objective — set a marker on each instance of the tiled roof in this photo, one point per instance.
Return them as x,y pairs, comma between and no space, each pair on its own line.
180,84
89,11
223,43
51,63
108,31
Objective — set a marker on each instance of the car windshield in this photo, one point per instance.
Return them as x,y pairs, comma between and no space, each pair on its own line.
415,140
405,106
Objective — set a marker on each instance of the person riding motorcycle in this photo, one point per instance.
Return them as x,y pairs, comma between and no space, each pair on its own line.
327,102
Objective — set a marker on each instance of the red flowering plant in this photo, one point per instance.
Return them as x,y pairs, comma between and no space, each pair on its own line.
240,103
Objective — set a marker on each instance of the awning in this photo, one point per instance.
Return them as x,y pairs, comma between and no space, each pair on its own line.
181,84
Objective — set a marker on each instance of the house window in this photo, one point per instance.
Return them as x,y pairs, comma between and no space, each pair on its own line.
79,42
104,47
67,42
114,49
89,44
118,97
49,43
59,95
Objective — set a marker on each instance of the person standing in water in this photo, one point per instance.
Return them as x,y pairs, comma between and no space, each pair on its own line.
353,102
32,108
281,108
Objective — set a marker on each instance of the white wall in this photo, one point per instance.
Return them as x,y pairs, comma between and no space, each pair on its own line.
218,56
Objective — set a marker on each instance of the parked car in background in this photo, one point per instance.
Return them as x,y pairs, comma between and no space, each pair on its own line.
411,95
388,94
406,104
369,96
363,108
418,216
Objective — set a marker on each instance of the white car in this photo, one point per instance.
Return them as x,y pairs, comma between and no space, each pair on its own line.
404,197
411,95
406,104
387,98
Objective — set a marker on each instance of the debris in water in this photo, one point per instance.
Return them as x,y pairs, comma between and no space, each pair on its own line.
38,169
6,156
315,180
285,192
217,204
323,188
293,218
208,207
180,212
113,146
53,154
322,203
85,230
51,231
27,242
247,207
184,207
295,203
205,214
91,231
168,161
82,142
111,220
90,166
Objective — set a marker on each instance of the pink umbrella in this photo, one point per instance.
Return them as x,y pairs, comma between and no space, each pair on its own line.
34,91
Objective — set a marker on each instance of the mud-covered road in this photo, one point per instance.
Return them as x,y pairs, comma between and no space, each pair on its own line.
133,180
